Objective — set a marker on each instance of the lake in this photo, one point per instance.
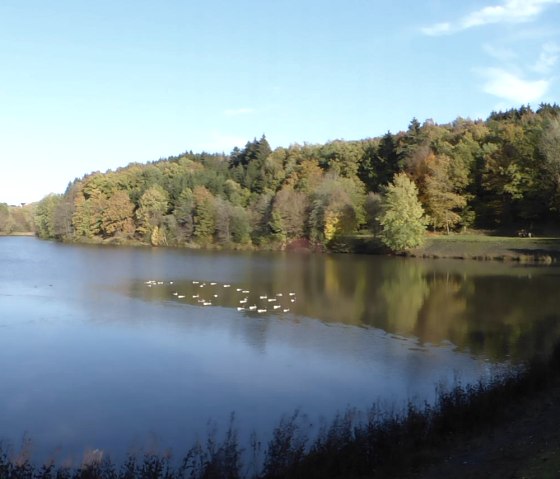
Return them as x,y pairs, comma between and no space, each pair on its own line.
129,349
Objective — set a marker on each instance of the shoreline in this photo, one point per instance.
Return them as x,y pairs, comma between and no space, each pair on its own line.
545,250
18,233
474,246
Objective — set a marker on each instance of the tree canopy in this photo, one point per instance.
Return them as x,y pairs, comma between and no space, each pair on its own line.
501,172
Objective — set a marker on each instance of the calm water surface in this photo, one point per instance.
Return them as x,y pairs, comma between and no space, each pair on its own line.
92,356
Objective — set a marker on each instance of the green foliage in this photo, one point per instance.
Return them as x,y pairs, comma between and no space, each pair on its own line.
45,216
153,206
337,208
443,203
204,215
402,218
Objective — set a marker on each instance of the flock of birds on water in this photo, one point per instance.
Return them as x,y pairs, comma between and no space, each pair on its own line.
213,294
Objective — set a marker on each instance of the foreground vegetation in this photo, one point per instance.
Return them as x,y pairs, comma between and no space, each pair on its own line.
503,172
353,445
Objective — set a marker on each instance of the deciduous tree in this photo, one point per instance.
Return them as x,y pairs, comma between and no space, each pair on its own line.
402,219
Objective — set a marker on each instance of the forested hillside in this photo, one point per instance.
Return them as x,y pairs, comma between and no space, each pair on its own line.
502,172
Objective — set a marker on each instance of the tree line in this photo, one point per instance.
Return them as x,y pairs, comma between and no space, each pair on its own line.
498,173
16,219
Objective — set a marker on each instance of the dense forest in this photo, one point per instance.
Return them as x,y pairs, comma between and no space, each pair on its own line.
503,172
16,219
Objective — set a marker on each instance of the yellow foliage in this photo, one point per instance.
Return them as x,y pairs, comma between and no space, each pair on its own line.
332,223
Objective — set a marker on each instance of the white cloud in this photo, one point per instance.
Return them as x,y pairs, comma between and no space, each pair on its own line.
238,111
509,86
510,11
500,53
550,53
437,29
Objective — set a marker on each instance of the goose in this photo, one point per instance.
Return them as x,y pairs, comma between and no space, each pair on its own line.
270,300
180,296
292,294
227,285
279,295
245,291
277,306
212,284
239,308
195,296
263,297
286,310
175,293
195,282
261,310
207,303
253,307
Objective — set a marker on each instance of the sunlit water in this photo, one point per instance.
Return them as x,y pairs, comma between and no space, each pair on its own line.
107,348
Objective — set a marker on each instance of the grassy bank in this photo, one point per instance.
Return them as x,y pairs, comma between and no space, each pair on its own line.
490,247
18,233
353,445
475,245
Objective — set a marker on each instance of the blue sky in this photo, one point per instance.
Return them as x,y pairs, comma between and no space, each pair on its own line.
94,85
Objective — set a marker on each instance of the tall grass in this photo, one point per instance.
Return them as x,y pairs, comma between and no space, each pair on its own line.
354,444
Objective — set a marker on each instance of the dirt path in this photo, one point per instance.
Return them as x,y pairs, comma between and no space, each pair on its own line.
526,446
